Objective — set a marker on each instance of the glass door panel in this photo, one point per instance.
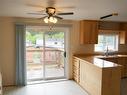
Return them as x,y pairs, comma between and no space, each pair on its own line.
34,54
54,54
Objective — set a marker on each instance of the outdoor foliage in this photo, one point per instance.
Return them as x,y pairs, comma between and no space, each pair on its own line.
32,35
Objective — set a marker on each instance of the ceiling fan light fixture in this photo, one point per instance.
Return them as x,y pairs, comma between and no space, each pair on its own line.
46,20
50,20
55,20
50,10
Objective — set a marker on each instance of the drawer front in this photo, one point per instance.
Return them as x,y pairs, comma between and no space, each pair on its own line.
75,69
76,64
76,73
76,77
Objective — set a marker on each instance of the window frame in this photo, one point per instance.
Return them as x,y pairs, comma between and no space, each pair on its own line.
110,33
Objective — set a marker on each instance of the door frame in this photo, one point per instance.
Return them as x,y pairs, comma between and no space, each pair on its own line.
66,48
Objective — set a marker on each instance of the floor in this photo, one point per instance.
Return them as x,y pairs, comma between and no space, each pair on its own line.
67,87
51,71
54,88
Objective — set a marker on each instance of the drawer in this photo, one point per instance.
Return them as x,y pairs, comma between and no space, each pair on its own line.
75,59
76,78
76,73
76,62
76,65
75,68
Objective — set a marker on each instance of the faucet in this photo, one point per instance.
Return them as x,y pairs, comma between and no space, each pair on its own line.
107,51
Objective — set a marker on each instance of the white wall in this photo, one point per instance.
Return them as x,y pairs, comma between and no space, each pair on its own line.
8,51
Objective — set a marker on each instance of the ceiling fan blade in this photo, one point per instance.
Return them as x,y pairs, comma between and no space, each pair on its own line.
36,13
43,17
68,7
41,11
58,17
113,14
69,13
32,5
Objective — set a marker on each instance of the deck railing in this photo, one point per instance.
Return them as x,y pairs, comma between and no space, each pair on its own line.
36,57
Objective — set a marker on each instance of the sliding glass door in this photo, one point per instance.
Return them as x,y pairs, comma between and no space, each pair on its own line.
54,55
45,52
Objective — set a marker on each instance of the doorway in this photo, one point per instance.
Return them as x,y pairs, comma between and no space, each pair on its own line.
45,53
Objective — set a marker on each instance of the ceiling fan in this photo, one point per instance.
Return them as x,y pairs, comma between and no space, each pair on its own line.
51,14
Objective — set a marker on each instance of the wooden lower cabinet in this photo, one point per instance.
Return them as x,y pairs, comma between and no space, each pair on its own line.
126,69
96,80
76,66
122,61
0,84
90,78
111,59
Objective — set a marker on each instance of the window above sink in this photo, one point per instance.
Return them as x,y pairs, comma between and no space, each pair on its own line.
107,41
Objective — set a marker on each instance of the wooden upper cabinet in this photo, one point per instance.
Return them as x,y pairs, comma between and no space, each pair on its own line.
109,25
123,33
88,32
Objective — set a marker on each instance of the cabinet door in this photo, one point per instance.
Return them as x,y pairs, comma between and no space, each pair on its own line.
88,32
109,25
0,84
125,67
121,61
123,39
82,74
90,78
123,33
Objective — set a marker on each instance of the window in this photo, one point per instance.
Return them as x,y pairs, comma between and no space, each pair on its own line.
105,41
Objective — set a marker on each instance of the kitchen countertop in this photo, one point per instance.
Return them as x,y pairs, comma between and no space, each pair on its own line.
111,56
97,61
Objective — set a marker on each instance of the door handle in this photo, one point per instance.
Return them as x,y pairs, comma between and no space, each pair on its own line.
65,54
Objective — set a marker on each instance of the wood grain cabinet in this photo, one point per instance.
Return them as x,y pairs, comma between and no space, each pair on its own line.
76,67
109,25
0,84
123,33
88,32
94,79
126,67
121,61
99,81
111,59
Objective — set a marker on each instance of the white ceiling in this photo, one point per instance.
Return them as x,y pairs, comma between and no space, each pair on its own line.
83,9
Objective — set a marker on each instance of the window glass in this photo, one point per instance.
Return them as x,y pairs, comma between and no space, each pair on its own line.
105,41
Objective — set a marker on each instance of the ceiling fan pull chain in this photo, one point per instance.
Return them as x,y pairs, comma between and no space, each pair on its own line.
50,26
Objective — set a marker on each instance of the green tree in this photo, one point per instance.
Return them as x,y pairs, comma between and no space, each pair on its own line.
31,36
